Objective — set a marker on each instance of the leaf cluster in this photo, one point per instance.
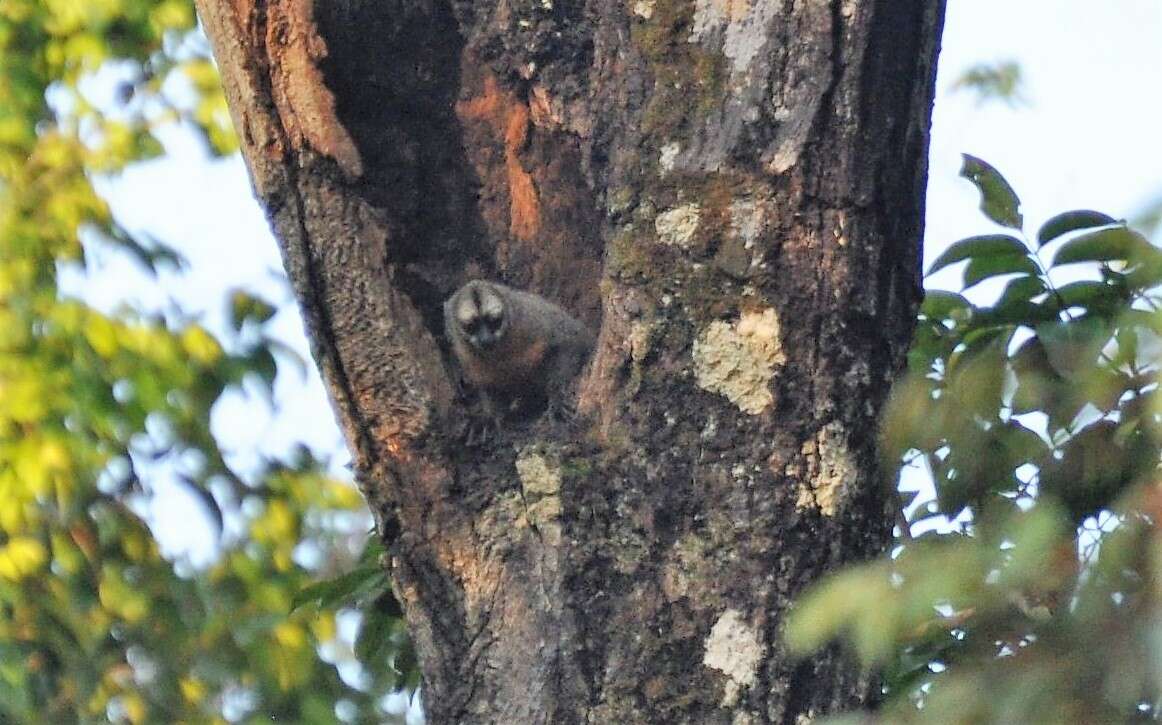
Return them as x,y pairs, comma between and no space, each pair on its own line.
1031,574
98,408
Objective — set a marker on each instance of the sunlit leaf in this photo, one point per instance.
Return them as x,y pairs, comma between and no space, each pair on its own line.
1106,245
246,306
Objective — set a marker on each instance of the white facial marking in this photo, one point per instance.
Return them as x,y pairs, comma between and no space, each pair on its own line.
466,310
491,306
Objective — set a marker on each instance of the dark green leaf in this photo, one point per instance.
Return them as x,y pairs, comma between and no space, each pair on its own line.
1091,296
1024,446
152,254
1106,245
985,245
360,583
374,637
262,362
1127,339
997,265
1091,472
977,374
939,304
1021,289
982,337
928,345
407,664
998,201
1071,221
373,551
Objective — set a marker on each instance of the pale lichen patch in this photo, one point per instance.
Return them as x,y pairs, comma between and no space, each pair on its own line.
540,480
538,474
640,340
735,649
669,156
746,220
739,361
745,24
830,469
644,9
677,226
686,559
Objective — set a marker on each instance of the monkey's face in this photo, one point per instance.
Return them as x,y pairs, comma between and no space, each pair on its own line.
480,316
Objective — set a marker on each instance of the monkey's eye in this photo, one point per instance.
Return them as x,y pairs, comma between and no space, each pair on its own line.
480,324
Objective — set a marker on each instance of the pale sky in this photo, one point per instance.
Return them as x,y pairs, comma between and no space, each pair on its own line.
1088,139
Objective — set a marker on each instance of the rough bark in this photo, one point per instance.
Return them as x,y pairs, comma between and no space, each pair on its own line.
732,192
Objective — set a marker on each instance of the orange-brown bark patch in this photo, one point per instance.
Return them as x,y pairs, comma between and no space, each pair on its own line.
508,117
305,104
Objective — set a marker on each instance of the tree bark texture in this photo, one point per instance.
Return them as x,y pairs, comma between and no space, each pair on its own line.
731,191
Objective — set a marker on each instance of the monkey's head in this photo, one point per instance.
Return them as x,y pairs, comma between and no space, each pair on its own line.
478,313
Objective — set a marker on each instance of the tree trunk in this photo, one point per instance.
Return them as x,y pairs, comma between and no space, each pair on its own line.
732,192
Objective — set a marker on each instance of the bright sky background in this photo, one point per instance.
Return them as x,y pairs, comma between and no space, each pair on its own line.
1087,139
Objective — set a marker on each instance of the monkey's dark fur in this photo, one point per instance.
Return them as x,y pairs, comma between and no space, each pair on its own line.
516,348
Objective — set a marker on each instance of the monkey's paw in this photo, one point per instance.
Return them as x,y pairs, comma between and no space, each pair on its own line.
476,432
561,410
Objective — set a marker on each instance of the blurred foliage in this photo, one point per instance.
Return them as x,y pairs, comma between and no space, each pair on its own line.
1029,594
96,625
1001,81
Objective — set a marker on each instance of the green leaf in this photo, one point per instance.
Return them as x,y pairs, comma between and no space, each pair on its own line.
358,584
1038,383
1037,536
246,306
998,265
1072,346
932,342
1021,289
1106,245
152,255
980,338
262,362
1147,270
1071,221
940,304
374,636
840,604
1023,445
998,200
1091,296
1017,312
976,374
1091,472
986,245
